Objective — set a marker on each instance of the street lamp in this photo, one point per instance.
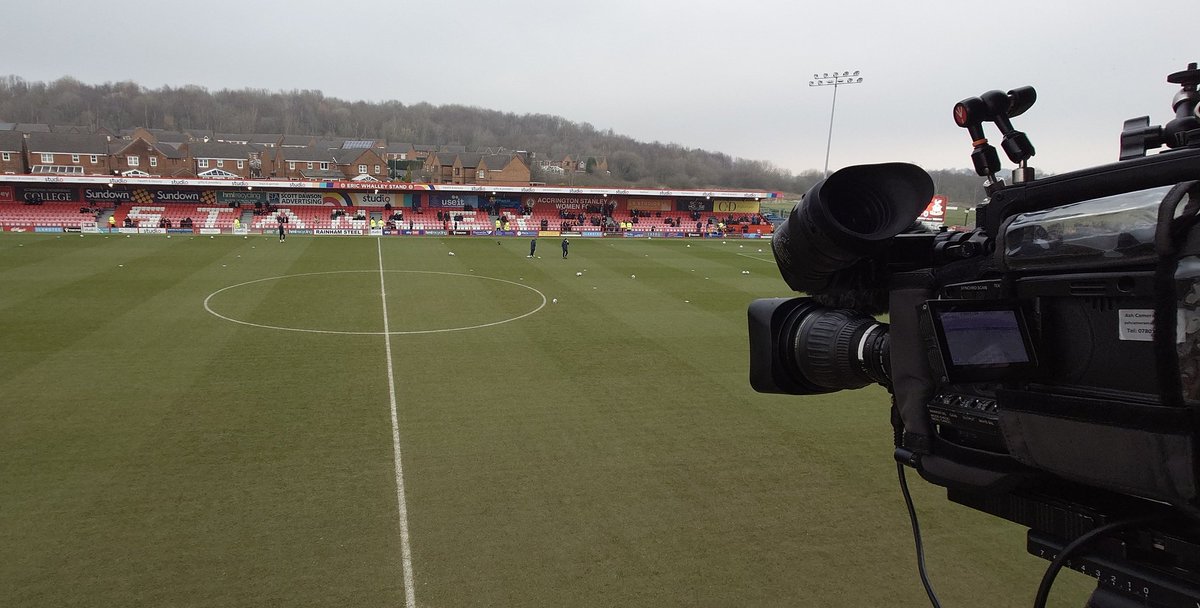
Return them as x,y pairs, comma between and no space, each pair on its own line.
833,79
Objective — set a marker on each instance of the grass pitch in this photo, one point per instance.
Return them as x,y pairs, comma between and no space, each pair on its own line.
604,450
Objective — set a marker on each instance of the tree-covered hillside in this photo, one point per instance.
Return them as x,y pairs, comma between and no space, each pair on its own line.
124,105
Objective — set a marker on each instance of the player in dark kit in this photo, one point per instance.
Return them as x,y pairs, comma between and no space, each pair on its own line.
282,233
532,247
565,244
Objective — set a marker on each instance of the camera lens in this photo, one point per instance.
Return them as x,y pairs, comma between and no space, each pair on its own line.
800,347
836,349
847,217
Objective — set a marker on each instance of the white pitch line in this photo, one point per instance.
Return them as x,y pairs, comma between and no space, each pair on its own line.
208,304
410,595
746,255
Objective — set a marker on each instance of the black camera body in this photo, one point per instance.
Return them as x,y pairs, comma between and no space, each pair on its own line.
1045,366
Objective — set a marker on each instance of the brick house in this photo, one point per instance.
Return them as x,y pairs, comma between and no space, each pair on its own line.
289,162
440,167
502,169
599,164
12,153
464,168
144,158
67,153
422,152
400,151
160,136
360,164
221,160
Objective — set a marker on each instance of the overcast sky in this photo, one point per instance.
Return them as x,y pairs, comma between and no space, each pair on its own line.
719,75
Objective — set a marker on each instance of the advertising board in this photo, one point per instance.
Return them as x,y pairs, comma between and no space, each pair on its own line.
175,196
47,195
239,197
935,211
649,204
376,199
735,206
107,195
564,203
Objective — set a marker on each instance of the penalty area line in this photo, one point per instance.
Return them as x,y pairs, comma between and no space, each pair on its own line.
410,595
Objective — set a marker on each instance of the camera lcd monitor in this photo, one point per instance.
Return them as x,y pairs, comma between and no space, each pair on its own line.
982,340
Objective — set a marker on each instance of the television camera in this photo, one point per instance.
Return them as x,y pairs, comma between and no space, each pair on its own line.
1044,366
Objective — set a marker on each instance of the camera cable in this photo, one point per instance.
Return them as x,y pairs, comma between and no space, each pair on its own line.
912,516
1043,592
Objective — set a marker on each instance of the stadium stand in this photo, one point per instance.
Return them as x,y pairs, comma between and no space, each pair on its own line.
309,218
149,216
62,215
73,215
426,219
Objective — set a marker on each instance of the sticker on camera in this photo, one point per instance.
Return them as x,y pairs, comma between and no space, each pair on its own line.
1137,324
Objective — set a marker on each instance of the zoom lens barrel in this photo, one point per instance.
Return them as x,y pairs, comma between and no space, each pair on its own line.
799,347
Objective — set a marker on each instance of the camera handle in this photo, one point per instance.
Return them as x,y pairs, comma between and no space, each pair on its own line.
997,107
1184,129
970,114
1002,107
1138,136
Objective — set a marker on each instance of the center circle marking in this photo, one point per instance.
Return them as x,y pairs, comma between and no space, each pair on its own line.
209,308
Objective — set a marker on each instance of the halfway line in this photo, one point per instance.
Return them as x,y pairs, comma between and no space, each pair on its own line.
410,595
